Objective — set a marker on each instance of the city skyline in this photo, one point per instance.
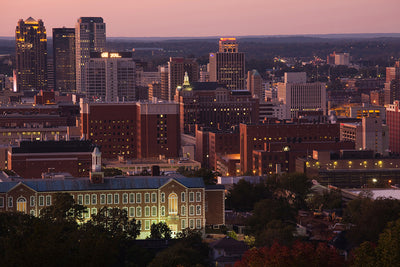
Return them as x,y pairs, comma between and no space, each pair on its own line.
206,18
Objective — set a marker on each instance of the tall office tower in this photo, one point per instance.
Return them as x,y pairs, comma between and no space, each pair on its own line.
90,36
50,73
227,65
392,84
177,67
298,95
154,91
204,74
31,55
164,82
110,77
255,84
64,60
393,122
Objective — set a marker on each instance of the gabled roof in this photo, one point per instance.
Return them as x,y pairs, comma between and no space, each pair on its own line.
84,184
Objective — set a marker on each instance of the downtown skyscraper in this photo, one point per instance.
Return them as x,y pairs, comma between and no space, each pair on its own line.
31,55
227,65
64,60
90,36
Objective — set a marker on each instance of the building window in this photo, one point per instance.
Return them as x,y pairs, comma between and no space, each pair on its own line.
94,211
198,210
31,201
147,225
131,198
198,224
32,212
87,213
191,224
183,210
173,204
183,197
146,198
191,197
2,202
109,199
131,211
153,197
138,197
183,224
80,200
116,198
162,197
138,212
191,210
154,211
94,199
87,199
41,200
21,204
48,200
162,211
125,198
147,211
126,210
102,199
198,196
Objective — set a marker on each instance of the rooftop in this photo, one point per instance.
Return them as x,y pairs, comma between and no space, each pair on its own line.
53,147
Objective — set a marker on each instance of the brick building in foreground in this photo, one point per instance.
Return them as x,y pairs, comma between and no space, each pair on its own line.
180,202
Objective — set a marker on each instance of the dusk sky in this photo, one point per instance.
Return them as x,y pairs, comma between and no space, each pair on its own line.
163,18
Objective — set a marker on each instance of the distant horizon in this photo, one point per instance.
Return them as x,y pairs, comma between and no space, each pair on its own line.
316,35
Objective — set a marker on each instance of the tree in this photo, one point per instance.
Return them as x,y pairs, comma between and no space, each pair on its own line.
370,218
160,231
64,208
331,199
299,255
299,186
111,172
116,222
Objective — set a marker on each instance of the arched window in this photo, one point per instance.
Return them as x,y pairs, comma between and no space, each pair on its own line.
21,204
173,204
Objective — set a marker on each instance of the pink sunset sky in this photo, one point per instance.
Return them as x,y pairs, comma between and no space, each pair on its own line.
163,18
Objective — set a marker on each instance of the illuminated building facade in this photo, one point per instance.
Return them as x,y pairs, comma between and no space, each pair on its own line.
298,95
110,77
177,67
31,55
180,202
90,36
228,65
64,60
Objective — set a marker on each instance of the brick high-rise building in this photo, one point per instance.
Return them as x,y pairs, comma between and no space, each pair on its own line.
31,55
392,84
64,60
132,129
393,122
90,36
227,66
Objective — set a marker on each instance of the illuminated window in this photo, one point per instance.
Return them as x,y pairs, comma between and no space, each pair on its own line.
102,199
191,210
21,204
153,211
198,196
131,212
147,211
94,199
48,200
162,211
147,225
173,204
125,198
131,198
31,201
